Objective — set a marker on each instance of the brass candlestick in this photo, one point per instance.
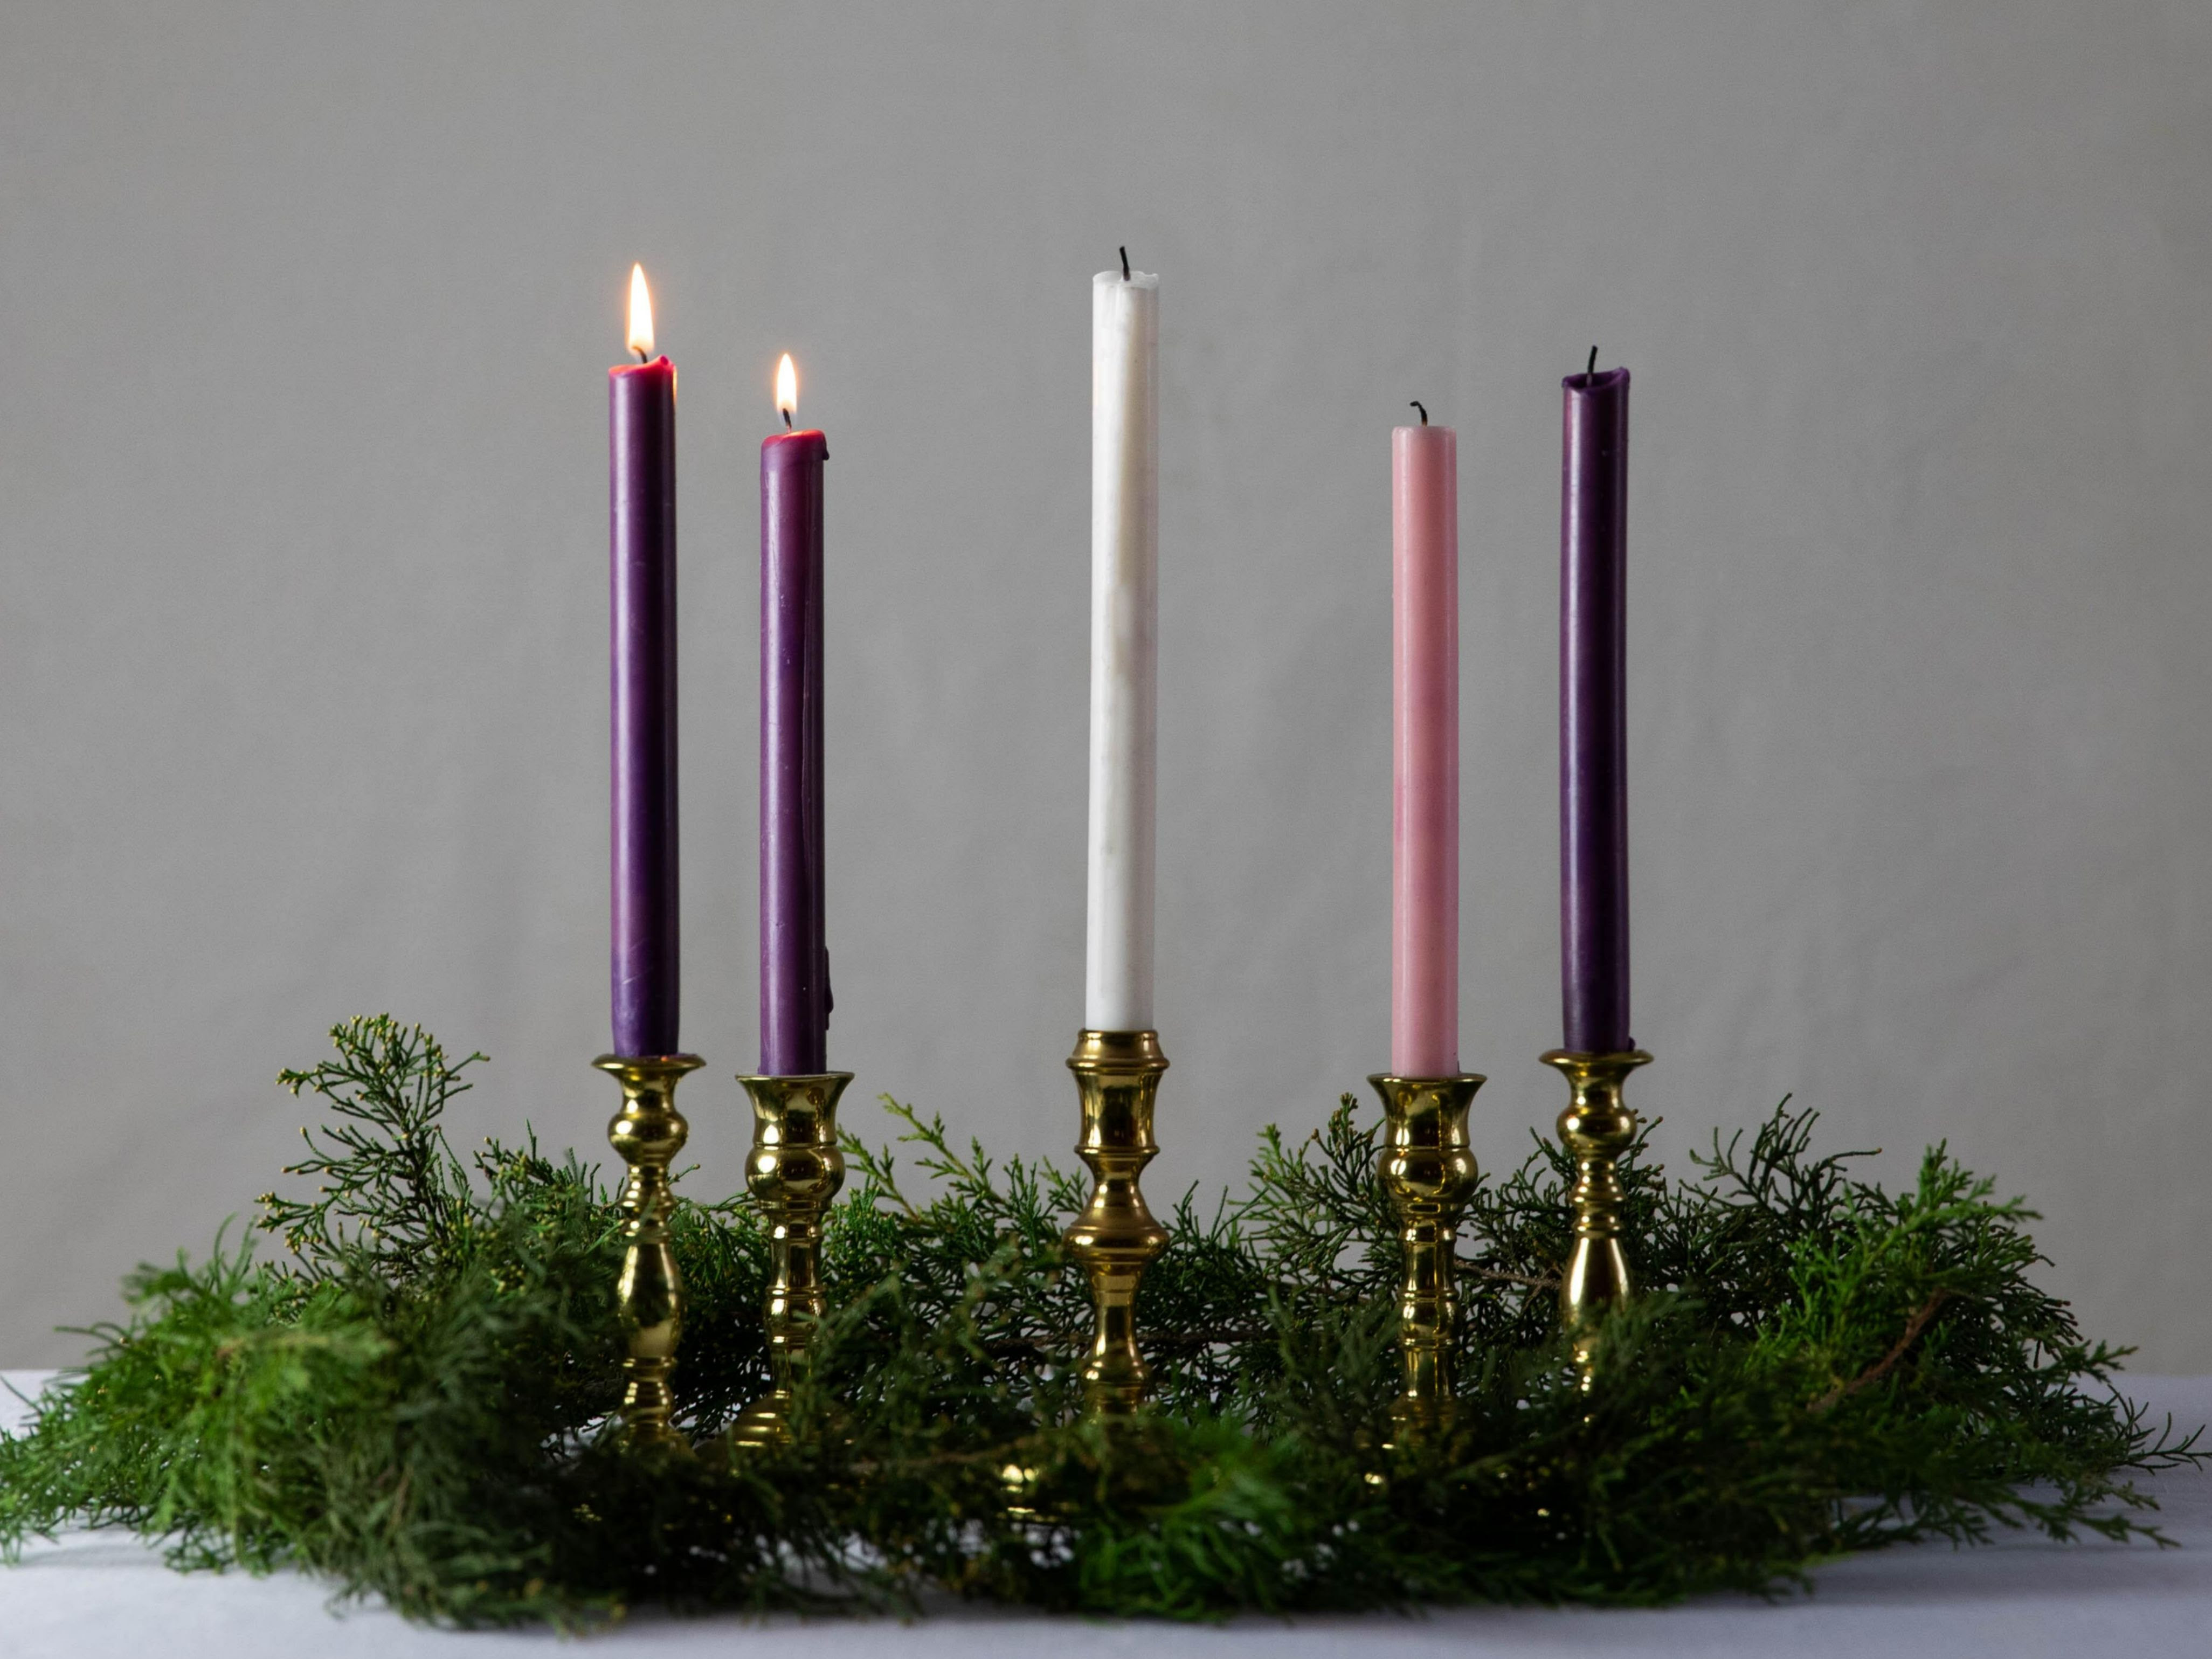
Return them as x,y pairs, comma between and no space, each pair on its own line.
1596,1128
794,1171
1115,1238
1429,1174
649,1131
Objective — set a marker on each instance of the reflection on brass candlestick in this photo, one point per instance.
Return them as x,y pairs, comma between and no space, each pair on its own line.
1115,1238
649,1131
794,1171
1429,1174
1596,1130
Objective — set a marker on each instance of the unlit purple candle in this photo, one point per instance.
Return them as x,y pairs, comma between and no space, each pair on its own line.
642,572
1594,714
794,958
1424,751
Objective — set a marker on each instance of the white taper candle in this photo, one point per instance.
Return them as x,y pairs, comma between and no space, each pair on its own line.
1125,470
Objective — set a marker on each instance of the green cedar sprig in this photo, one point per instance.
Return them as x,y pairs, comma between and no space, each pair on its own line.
412,1401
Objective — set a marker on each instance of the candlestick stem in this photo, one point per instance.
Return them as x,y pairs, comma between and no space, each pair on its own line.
1596,1128
648,1133
1116,1237
795,1169
1429,1174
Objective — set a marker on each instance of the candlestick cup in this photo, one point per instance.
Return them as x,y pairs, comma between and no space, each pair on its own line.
1429,1174
795,1169
1115,1238
1596,1128
649,1131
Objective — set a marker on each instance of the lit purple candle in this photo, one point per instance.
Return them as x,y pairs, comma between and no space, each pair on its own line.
641,549
794,959
1593,712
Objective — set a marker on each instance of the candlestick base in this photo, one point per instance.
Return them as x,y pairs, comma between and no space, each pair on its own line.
649,1131
1596,1128
794,1171
1429,1174
1117,1238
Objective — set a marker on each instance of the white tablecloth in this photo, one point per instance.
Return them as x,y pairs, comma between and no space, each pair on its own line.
90,1595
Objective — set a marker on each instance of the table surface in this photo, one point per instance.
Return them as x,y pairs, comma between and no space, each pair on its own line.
92,1594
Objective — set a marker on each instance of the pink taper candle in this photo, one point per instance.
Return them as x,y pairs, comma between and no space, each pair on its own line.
1424,751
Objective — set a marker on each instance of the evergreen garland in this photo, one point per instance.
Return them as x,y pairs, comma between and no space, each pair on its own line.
412,1403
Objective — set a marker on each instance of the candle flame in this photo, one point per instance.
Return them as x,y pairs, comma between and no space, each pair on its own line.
641,314
786,387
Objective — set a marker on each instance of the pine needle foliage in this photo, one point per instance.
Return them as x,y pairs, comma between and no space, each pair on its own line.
411,1400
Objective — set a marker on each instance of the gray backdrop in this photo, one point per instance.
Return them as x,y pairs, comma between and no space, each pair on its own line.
302,629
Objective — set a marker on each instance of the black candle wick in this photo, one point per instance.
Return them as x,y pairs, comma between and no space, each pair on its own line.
1590,373
787,420
1417,403
1125,264
641,354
